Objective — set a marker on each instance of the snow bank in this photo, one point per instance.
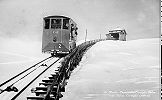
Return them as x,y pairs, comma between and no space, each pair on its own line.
117,70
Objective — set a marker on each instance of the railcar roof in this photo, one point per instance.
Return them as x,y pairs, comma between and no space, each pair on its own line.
56,17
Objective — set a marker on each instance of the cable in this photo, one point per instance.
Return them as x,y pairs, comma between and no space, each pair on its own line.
33,81
13,88
22,72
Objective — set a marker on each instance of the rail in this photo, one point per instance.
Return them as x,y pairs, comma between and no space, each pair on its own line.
22,72
11,85
56,84
33,80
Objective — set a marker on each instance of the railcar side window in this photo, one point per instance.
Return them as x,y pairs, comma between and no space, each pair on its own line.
56,23
47,23
65,23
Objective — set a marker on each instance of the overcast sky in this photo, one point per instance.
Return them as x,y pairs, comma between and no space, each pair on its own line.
23,18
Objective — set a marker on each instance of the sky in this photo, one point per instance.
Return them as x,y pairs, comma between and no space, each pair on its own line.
23,19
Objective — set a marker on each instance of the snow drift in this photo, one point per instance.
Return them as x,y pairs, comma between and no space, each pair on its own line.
117,70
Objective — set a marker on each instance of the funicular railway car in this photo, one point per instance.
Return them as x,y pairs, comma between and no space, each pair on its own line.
59,35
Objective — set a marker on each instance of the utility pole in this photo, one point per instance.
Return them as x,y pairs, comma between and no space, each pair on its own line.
100,36
86,35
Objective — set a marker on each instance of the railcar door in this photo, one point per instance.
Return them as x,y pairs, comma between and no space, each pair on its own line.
66,33
56,24
59,27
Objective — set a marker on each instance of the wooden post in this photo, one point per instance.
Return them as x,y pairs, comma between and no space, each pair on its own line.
86,35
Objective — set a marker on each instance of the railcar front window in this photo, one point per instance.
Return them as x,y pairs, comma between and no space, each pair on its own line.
56,23
47,23
65,23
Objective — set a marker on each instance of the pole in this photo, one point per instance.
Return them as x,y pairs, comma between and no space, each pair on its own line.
86,35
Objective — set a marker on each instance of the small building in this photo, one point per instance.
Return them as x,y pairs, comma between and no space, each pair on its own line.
117,34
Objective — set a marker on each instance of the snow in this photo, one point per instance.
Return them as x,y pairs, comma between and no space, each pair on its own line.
16,56
22,83
81,41
119,28
117,70
109,70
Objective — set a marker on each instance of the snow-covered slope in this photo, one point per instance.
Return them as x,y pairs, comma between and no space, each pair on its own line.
17,55
117,70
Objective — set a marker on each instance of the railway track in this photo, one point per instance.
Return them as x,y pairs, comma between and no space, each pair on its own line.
16,87
44,80
51,88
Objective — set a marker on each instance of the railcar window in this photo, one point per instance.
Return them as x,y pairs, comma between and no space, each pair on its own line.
47,23
56,23
65,23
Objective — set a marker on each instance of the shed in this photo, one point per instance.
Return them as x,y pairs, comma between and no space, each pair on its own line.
117,34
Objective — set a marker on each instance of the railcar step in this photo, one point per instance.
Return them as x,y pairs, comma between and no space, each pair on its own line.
56,70
55,74
38,98
44,92
59,66
45,84
52,77
45,88
48,80
35,98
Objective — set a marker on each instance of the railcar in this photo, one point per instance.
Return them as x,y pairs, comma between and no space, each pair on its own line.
59,35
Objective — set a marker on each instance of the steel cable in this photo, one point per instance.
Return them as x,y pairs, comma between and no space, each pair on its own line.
33,81
22,72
